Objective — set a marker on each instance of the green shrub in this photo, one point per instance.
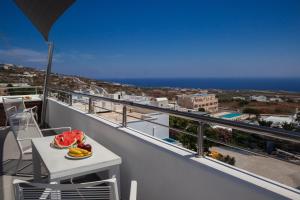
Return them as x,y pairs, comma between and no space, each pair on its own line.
251,111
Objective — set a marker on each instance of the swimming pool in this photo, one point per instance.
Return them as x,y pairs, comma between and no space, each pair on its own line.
230,115
170,140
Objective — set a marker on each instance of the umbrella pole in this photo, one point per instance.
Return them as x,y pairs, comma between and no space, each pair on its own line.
47,76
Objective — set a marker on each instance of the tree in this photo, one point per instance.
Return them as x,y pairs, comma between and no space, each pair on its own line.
201,109
288,126
19,91
265,123
251,111
188,141
243,103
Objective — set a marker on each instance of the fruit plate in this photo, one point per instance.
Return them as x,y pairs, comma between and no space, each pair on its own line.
77,158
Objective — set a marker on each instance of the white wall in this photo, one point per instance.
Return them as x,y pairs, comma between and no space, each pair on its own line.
165,172
147,127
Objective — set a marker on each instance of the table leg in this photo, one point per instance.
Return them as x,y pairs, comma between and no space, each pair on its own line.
115,171
37,166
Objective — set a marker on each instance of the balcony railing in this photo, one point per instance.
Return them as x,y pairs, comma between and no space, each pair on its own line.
267,132
25,90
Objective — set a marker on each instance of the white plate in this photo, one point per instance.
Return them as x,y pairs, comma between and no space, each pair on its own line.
77,158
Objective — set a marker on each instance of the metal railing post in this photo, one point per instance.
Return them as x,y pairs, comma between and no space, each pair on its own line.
45,89
36,92
70,99
200,138
124,118
91,107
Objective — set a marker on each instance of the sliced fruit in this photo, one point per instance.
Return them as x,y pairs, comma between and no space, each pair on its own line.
84,151
76,155
69,138
74,151
78,134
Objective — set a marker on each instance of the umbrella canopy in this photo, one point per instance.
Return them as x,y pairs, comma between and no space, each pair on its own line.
43,13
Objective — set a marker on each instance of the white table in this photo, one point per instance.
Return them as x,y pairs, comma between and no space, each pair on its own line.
60,168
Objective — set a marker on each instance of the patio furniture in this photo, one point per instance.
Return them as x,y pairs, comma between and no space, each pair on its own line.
24,131
61,168
13,105
105,189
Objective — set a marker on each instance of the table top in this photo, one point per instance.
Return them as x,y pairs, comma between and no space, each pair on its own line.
60,167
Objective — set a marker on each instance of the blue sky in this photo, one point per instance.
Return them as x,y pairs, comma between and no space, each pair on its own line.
156,38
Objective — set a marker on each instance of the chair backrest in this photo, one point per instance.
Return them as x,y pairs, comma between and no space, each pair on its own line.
106,189
24,128
13,105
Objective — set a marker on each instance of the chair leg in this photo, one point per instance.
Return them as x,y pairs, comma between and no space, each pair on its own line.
20,169
18,164
25,166
27,122
36,117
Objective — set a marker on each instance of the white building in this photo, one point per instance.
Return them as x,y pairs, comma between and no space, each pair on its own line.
278,121
6,66
132,98
208,102
15,84
162,102
239,98
222,127
138,118
259,98
149,128
275,99
28,74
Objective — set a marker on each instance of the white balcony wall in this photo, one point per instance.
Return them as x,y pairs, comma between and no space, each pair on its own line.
166,172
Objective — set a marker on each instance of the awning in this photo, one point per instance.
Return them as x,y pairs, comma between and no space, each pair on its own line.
43,13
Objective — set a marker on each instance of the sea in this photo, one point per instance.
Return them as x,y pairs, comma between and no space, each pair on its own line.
271,84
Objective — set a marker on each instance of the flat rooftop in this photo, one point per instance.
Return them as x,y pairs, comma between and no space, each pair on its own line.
281,171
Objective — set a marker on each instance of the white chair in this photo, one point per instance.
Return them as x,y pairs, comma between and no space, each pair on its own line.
13,105
24,129
105,189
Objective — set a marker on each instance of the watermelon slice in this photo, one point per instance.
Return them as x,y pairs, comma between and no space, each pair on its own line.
79,135
69,139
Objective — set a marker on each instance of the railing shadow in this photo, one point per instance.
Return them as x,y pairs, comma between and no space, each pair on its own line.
8,158
3,135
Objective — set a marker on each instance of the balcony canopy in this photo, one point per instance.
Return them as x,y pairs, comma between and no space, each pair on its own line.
43,13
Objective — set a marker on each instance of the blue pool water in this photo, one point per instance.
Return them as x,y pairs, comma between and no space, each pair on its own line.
170,140
230,115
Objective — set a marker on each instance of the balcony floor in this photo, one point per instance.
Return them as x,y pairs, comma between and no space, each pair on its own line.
8,155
